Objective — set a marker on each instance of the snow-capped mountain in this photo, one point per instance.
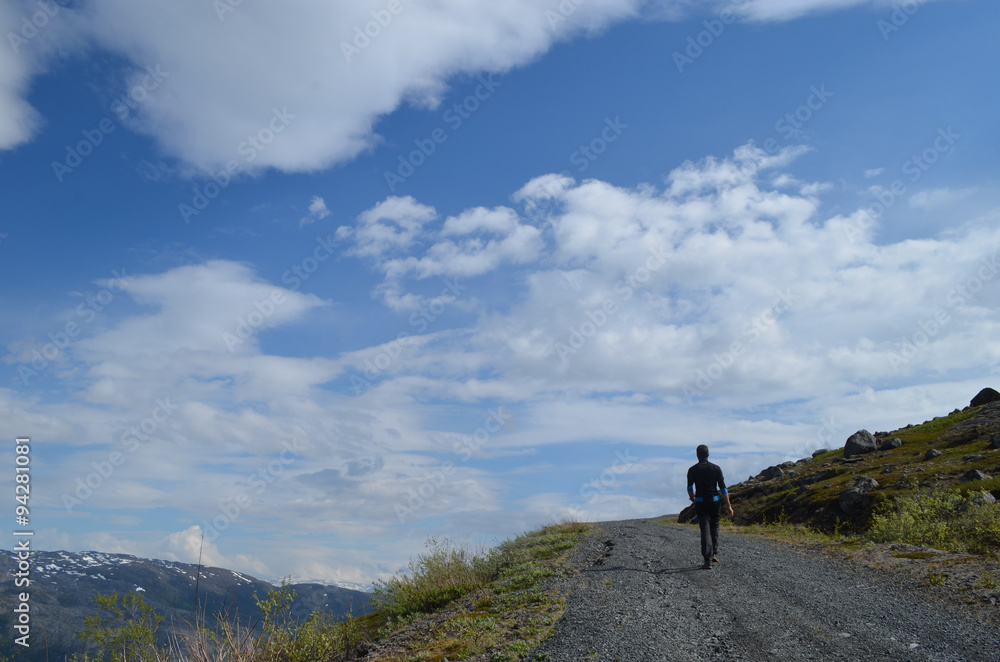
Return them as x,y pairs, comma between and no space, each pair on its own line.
63,586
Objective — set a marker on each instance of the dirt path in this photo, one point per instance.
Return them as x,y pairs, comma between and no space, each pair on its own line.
641,596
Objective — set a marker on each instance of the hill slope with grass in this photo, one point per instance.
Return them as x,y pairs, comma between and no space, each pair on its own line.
943,470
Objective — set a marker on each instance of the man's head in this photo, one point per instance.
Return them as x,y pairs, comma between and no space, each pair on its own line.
702,452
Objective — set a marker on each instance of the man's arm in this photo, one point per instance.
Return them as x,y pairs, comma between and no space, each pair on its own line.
691,485
725,493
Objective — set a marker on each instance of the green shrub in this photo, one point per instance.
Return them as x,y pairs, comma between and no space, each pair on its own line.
944,520
123,630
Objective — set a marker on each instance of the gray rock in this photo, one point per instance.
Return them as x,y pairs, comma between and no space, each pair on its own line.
971,458
820,451
995,442
865,483
771,473
974,474
985,396
855,497
982,497
931,454
859,443
889,444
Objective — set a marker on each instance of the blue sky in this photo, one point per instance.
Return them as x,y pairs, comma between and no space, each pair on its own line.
319,296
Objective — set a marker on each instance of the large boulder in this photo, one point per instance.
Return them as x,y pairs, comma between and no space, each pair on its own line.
771,473
859,443
855,497
889,444
985,396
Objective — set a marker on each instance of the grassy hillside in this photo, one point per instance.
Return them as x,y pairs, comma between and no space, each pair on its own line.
808,491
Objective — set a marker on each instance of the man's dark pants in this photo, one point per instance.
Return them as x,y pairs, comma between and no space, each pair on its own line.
708,521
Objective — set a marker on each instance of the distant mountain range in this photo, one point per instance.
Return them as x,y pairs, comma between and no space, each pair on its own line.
63,586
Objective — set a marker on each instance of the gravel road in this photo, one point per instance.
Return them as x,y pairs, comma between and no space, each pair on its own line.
641,596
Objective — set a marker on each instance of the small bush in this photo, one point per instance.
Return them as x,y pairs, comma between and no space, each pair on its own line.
123,630
943,520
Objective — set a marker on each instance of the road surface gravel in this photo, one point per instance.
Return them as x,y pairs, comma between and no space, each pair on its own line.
640,595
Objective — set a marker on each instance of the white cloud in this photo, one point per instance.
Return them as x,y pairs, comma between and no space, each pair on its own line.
508,242
639,291
473,243
317,211
19,61
391,225
314,97
873,172
197,306
189,546
939,197
221,88
785,10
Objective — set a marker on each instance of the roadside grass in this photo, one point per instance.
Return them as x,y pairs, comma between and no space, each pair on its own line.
450,603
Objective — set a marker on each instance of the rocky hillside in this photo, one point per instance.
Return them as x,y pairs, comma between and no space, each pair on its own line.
839,489
63,586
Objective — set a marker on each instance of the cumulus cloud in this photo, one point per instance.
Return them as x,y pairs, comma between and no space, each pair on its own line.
313,96
473,243
716,286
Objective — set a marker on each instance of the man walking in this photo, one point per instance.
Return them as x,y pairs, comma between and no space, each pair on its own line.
705,486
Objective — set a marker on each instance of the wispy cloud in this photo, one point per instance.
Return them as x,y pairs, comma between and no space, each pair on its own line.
317,211
939,197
